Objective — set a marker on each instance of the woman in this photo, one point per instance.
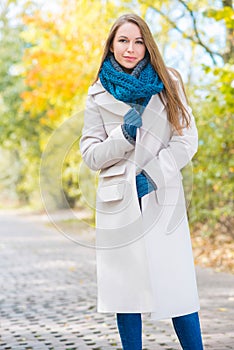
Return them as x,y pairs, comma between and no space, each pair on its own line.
139,132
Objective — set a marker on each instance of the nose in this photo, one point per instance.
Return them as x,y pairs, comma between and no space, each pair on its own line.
130,47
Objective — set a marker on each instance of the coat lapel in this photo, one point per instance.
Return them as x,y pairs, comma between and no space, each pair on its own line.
153,121
108,102
150,136
154,108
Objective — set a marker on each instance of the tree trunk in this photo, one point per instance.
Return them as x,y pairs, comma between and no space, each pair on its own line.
229,49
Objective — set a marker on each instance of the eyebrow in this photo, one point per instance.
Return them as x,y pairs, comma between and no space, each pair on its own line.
123,36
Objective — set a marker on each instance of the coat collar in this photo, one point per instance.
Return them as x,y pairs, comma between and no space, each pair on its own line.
107,101
96,88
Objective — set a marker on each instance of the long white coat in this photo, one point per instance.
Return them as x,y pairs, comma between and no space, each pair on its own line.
144,255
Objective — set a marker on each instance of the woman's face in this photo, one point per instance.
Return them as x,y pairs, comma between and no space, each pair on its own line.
128,46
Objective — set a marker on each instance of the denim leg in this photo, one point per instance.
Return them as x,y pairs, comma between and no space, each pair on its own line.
130,331
188,330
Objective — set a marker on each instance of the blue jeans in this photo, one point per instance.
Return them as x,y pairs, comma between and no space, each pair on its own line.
186,327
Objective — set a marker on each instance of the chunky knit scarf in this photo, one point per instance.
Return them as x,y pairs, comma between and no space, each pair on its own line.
136,88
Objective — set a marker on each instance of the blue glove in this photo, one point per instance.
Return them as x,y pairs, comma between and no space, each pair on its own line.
144,185
132,121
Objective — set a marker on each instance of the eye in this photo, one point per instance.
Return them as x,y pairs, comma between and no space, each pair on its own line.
122,40
140,42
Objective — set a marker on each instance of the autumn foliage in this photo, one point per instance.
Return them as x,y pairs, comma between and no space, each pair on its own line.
64,50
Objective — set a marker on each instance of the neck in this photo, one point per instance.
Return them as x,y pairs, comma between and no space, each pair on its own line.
127,70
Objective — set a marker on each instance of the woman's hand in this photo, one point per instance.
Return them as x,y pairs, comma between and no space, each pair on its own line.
132,121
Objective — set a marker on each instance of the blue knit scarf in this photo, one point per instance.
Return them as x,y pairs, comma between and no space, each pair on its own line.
136,88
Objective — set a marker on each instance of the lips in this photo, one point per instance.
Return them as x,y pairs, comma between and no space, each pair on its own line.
129,58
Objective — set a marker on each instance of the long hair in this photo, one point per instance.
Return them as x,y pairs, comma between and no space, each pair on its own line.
178,115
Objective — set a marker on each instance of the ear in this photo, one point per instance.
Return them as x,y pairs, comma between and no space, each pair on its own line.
111,49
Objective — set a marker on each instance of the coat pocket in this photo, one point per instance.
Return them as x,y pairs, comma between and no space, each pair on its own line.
112,184
111,193
112,171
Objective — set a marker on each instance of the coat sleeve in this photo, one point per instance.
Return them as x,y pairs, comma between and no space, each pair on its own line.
177,154
98,149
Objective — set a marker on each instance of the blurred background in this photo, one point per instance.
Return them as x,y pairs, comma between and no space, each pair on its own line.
49,55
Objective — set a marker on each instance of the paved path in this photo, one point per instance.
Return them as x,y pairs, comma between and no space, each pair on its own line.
47,296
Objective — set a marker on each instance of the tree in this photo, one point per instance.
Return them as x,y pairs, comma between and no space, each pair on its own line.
61,62
18,134
190,20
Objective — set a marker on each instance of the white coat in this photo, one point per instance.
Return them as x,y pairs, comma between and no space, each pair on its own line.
144,256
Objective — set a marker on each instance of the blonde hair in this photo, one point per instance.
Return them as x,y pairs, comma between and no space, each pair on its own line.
178,115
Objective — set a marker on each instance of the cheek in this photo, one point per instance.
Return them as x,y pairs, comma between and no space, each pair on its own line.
118,49
142,51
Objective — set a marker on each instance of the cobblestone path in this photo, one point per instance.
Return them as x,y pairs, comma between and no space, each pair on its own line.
48,296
